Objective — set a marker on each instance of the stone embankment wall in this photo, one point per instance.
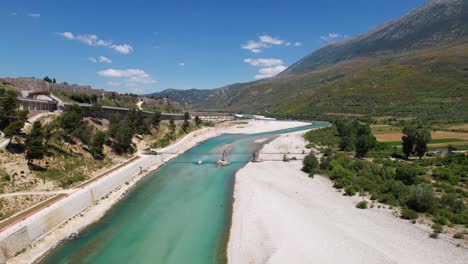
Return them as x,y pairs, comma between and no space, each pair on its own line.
20,235
37,85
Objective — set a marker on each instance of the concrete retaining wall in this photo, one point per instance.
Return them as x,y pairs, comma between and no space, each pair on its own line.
20,235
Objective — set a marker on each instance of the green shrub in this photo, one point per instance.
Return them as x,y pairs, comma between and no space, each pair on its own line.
421,198
311,164
409,214
434,235
350,190
407,174
441,220
459,236
437,228
362,204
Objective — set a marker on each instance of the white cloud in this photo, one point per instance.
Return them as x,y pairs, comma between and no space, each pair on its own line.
269,72
67,35
268,67
181,64
271,40
124,49
13,13
100,59
131,77
254,46
264,62
297,44
34,15
104,59
331,37
94,40
265,41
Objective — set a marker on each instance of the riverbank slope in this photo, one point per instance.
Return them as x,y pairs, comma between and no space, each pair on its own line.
147,164
280,215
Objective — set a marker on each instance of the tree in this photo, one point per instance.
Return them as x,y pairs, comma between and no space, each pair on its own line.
156,119
423,137
123,138
96,144
415,140
185,126
84,132
136,119
348,143
172,129
22,115
35,147
47,79
408,140
7,110
310,164
13,129
54,81
198,121
186,116
364,144
71,118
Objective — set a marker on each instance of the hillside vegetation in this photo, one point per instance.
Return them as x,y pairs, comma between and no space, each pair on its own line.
430,84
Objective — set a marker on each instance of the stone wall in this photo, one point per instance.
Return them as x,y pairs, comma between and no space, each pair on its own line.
37,85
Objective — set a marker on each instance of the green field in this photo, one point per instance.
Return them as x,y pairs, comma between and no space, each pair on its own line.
433,141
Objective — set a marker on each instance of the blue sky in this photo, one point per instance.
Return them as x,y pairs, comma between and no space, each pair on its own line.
146,46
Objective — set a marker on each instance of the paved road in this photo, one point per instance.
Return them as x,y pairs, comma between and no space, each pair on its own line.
4,195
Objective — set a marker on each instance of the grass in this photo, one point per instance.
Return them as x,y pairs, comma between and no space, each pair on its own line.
433,141
384,129
461,147
69,171
324,136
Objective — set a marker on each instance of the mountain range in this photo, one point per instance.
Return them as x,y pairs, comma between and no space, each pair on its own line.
415,66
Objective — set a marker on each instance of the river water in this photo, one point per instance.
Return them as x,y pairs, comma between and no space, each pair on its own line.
180,213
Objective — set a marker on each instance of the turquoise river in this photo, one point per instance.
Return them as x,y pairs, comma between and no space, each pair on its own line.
179,213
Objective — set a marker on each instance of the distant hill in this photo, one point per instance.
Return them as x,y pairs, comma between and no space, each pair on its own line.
192,98
414,66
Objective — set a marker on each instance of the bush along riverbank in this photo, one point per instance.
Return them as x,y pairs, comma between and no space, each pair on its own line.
430,190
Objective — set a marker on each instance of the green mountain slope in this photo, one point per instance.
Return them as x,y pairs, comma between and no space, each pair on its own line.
430,83
435,22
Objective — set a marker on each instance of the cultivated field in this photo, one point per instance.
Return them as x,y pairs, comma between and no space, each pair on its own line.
391,135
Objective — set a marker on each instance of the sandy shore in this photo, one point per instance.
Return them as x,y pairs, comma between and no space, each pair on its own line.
280,215
95,212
